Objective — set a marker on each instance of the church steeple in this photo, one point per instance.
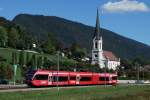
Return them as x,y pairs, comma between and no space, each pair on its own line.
97,28
97,50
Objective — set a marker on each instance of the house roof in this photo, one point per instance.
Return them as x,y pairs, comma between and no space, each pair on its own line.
109,55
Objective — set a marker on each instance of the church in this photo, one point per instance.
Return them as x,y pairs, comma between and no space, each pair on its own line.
99,56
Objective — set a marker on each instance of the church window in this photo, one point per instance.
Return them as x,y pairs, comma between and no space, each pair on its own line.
96,55
96,45
100,45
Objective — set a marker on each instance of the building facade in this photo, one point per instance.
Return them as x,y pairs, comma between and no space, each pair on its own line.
100,57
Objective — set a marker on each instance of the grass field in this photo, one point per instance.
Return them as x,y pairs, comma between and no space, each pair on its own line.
88,93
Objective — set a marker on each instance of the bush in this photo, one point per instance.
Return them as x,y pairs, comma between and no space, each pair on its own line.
4,81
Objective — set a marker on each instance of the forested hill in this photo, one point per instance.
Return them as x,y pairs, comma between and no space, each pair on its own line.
68,32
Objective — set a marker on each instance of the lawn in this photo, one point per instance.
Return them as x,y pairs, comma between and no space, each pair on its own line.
86,93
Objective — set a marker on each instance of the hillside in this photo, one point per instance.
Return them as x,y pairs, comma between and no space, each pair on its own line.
68,32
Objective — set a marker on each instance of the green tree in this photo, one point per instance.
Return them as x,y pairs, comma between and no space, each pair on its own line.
34,62
13,38
40,62
77,52
3,36
27,57
22,59
14,58
48,47
9,72
2,70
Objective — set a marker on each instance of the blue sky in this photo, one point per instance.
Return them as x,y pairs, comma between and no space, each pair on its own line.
130,18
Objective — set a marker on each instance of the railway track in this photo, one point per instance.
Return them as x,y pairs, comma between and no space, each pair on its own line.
18,88
6,87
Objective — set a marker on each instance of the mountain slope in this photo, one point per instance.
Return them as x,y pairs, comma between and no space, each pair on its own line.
69,32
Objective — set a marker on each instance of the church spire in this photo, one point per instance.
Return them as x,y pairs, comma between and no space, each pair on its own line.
97,28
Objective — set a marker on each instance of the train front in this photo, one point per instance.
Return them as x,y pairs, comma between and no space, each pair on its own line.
29,77
37,78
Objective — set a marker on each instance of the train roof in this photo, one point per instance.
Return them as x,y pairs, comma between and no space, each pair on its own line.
70,72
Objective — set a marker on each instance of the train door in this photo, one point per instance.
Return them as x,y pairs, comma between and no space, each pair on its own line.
50,79
78,79
72,80
110,80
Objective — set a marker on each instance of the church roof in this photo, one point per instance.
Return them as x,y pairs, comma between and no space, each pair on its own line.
109,55
97,28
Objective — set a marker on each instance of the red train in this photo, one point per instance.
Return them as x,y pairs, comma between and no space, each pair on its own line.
53,78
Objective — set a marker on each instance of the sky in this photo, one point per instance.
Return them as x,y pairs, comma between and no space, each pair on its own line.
129,18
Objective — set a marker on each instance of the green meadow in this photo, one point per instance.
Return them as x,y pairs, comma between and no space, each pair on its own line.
83,93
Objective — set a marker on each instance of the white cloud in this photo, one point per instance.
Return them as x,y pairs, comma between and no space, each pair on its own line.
125,6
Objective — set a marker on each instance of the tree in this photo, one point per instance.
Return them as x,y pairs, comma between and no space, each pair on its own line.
127,64
77,52
34,61
2,70
40,62
48,47
13,38
3,36
22,59
27,57
9,72
14,58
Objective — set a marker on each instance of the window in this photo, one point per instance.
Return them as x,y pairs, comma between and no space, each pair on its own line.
60,78
41,77
72,78
114,78
100,46
96,55
96,45
103,78
85,79
50,79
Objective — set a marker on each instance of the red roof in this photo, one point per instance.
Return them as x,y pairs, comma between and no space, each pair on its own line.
109,55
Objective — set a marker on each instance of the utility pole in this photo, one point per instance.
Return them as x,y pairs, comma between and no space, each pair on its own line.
14,61
143,74
105,64
138,73
58,71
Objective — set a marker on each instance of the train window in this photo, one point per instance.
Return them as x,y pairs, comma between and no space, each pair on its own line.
72,78
114,78
60,78
103,78
85,79
41,77
50,78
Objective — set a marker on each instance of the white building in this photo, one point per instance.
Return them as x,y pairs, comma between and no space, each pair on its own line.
100,57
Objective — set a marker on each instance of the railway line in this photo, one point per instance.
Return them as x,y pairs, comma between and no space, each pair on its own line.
24,88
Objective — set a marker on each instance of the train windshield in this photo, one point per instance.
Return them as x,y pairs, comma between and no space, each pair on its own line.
41,77
30,74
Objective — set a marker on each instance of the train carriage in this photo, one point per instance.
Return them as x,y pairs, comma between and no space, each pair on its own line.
54,78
